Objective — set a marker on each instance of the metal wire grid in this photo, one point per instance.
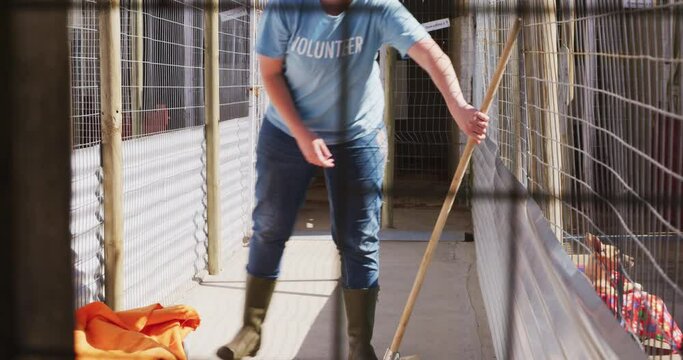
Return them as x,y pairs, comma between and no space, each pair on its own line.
234,59
236,154
162,66
598,132
85,75
237,126
162,73
86,200
165,242
422,121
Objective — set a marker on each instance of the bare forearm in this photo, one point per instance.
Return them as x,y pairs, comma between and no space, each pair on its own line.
443,75
446,80
440,69
281,98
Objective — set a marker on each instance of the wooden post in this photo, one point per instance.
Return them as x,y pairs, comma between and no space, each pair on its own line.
389,121
530,64
551,119
212,113
586,102
35,182
110,95
517,106
565,76
552,125
138,67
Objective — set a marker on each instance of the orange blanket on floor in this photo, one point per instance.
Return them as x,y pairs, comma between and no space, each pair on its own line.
151,332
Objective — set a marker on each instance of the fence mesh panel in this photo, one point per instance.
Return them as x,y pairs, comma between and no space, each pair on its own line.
165,242
423,123
237,126
86,200
588,119
427,140
164,160
162,66
235,59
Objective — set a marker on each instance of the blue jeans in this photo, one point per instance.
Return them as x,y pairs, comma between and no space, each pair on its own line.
354,188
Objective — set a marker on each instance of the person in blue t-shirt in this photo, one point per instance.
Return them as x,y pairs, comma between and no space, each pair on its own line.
318,63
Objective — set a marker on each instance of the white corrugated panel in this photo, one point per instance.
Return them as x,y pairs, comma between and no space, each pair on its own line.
86,225
165,243
237,177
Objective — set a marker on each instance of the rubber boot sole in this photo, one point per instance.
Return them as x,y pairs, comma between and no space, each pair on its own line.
226,353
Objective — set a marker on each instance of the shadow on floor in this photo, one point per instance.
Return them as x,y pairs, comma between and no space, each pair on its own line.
449,321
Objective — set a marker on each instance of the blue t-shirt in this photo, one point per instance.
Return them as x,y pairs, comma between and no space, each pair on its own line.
324,54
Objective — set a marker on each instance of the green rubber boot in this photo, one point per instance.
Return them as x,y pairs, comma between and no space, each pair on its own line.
360,316
248,340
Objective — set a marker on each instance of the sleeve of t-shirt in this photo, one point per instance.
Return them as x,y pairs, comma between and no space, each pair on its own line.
273,32
400,29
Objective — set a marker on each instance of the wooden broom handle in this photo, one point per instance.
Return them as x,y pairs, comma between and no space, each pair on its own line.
450,197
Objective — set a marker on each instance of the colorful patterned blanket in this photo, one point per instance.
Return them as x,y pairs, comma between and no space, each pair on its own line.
643,314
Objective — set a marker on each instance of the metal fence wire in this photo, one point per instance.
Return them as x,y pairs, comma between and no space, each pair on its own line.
588,119
165,241
238,122
164,147
427,141
423,124
86,201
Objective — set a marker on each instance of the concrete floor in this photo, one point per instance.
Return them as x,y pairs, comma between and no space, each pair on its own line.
414,217
449,321
306,317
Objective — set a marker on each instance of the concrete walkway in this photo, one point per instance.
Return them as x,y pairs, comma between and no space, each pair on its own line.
449,321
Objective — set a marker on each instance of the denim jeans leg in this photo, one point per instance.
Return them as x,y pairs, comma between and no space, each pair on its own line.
355,195
282,177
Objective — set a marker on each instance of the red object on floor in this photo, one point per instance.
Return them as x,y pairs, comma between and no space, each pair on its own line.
151,332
